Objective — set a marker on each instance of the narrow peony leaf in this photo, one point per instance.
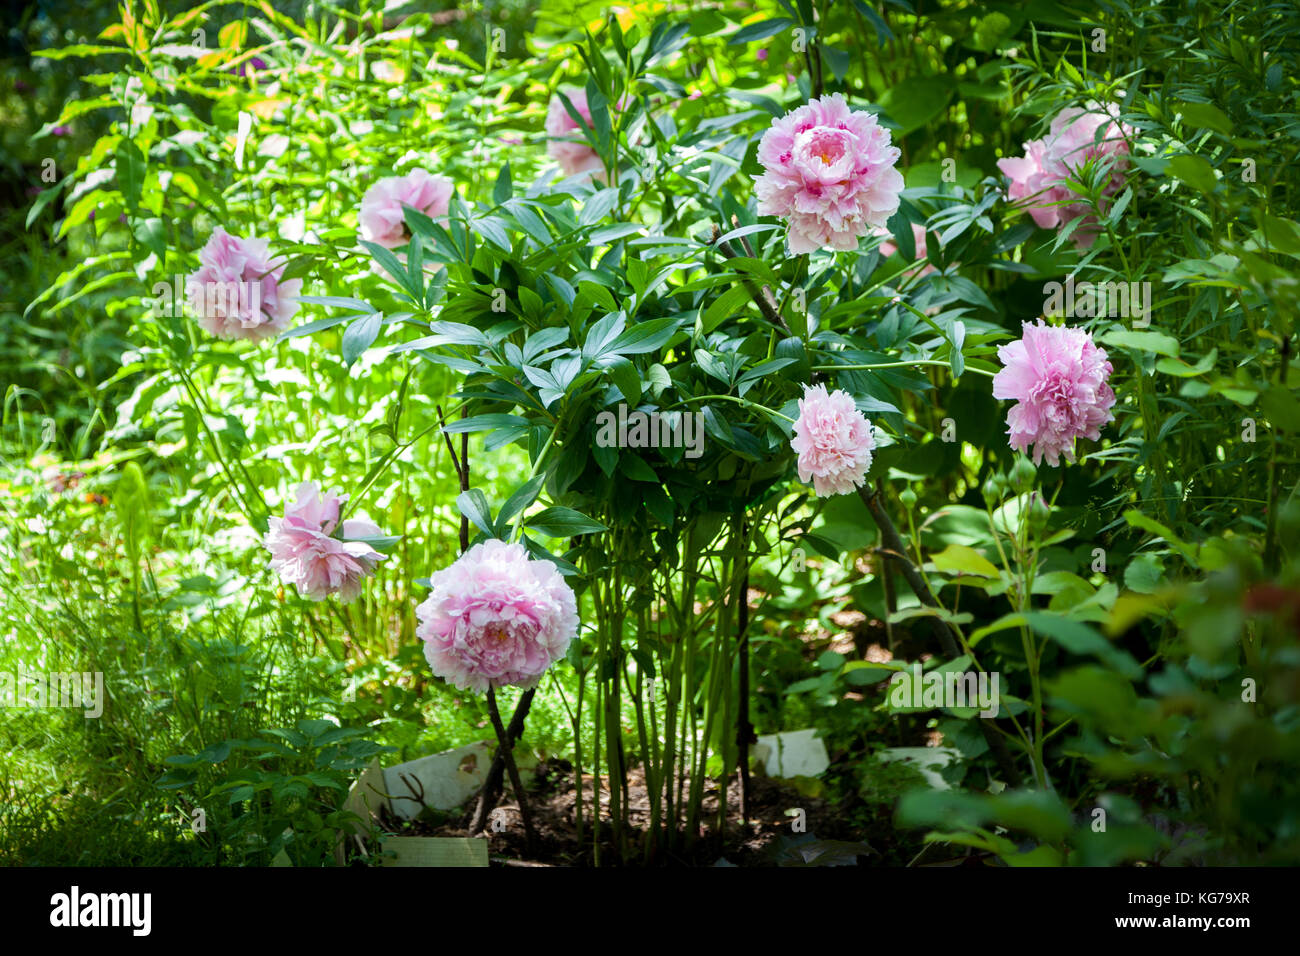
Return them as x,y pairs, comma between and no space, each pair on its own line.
560,522
473,504
360,335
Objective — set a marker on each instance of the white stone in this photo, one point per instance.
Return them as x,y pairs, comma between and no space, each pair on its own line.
445,781
795,753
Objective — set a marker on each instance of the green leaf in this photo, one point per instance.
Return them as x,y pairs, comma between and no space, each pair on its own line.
297,268
504,187
1137,519
1281,234
627,379
150,234
956,359
383,543
541,341
823,546
763,369
1206,116
746,231
524,496
130,174
916,101
959,559
759,31
1281,408
133,507
473,504
44,199
900,227
529,221
389,262
1143,574
1079,638
1195,171
483,423
456,333
560,522
338,301
602,333
1156,342
1181,369
636,468
643,337
598,206
360,335
733,301
493,229
712,366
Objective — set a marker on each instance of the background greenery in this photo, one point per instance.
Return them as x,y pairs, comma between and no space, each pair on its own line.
227,692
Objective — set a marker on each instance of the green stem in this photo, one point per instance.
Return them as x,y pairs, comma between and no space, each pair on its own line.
200,407
732,398
865,368
519,522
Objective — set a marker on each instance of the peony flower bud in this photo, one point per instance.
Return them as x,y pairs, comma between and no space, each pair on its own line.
1023,474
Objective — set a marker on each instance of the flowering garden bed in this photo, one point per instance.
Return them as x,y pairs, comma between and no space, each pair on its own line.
625,386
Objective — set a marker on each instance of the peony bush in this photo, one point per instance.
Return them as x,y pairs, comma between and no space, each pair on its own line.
814,298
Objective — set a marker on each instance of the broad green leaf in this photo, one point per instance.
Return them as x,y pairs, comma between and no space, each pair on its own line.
959,559
524,496
916,101
360,335
759,31
560,522
1079,638
1195,171
504,187
644,337
1281,407
627,379
473,504
1206,116
482,423
1156,342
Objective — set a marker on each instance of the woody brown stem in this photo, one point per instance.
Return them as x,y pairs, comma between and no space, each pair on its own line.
762,297
946,634
506,749
487,796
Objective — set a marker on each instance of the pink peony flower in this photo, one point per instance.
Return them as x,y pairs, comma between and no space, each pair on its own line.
888,248
1039,177
382,220
237,293
496,617
1058,378
829,171
568,145
306,554
834,441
